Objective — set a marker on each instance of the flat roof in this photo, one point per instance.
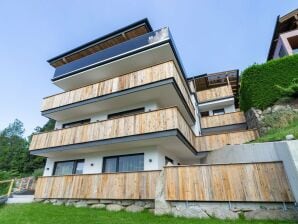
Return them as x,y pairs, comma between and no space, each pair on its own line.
123,34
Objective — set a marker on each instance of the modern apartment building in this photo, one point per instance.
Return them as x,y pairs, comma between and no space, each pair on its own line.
127,105
285,36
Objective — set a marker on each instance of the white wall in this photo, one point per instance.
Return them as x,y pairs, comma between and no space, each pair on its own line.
154,159
104,115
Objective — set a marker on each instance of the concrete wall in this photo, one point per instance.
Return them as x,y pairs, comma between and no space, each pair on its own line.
284,43
285,151
154,159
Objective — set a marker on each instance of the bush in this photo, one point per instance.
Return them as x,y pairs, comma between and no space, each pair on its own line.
280,119
259,82
38,172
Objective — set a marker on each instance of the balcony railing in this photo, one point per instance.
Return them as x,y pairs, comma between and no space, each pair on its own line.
223,120
215,93
143,123
217,141
145,76
113,52
131,185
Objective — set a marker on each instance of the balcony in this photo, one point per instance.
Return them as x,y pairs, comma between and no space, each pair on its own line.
223,123
165,127
143,51
217,141
160,83
215,94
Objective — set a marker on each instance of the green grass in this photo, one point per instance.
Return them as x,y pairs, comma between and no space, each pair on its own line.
278,134
50,214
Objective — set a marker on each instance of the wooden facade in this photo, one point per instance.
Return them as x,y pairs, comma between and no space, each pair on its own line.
142,77
217,141
148,122
134,185
215,93
222,120
256,182
143,123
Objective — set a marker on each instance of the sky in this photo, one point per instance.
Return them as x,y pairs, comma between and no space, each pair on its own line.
210,36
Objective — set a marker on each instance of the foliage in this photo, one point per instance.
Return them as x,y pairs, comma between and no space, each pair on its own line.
280,119
291,90
278,134
258,82
47,214
37,172
15,160
4,187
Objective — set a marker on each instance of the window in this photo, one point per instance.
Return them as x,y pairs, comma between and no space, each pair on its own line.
282,52
168,160
205,114
127,112
76,123
218,112
123,163
68,167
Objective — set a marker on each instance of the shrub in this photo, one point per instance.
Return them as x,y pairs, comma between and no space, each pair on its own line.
280,119
38,172
258,82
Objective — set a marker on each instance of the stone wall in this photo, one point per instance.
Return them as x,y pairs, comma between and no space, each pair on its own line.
219,210
257,118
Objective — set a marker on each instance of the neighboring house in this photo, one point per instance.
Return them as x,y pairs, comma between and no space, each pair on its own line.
128,106
285,36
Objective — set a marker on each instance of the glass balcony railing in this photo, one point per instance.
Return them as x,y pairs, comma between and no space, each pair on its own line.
112,53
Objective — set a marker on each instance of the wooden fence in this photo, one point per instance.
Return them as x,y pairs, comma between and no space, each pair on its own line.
256,182
214,93
127,81
222,120
136,185
250,182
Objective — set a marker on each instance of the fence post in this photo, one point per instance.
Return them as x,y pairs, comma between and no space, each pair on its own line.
10,188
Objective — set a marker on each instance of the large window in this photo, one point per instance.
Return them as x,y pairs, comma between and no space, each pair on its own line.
68,167
123,163
76,123
218,112
127,112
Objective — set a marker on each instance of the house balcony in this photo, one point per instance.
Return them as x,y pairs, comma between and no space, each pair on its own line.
215,94
165,128
223,123
160,83
132,55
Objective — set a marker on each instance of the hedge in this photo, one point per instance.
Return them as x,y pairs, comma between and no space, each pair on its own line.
258,82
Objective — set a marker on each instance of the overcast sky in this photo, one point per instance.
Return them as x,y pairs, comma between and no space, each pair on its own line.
210,36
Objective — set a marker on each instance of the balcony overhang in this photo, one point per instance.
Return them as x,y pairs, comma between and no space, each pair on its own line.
142,52
165,93
172,141
215,104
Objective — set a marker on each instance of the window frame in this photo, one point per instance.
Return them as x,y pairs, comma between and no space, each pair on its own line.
117,162
217,110
74,167
126,113
77,123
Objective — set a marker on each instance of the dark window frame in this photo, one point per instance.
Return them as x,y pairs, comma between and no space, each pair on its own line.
218,111
117,161
75,165
80,122
167,159
126,113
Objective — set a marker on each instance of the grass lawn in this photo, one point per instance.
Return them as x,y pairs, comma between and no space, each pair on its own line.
51,214
277,134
